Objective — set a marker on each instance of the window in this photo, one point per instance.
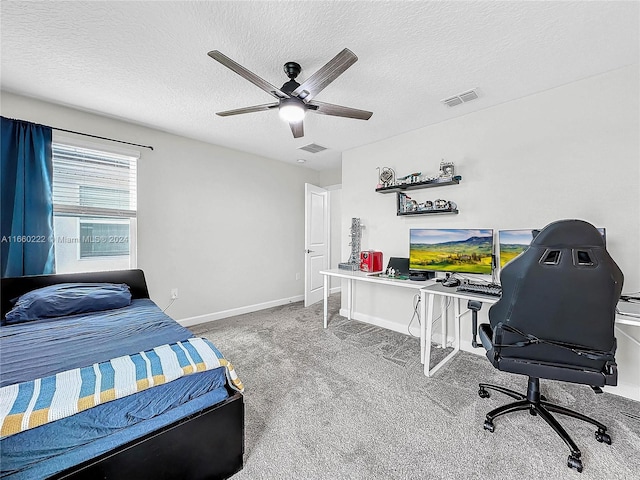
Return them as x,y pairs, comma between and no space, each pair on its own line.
94,207
92,236
104,197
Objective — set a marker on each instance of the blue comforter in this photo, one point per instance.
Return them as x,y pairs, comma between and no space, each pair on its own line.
38,349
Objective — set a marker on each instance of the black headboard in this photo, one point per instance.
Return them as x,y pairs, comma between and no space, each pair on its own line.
13,287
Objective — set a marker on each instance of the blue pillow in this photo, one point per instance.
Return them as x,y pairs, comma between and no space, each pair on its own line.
68,299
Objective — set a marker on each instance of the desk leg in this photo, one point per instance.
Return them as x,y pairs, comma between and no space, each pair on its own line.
456,320
326,296
428,326
444,318
429,372
349,298
423,325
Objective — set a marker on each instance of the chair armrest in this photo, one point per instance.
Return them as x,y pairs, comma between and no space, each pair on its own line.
486,336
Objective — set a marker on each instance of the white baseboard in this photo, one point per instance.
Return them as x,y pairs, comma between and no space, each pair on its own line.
467,347
335,290
210,317
395,326
626,390
381,322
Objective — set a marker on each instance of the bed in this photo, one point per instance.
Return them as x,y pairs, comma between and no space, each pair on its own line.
190,427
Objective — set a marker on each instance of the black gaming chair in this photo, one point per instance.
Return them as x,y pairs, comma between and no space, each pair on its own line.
555,320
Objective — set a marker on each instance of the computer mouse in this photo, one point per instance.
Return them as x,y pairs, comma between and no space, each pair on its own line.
451,282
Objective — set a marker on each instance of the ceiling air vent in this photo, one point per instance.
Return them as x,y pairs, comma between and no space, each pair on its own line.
313,148
453,101
460,98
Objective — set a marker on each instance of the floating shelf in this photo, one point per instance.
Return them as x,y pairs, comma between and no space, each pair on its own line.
414,186
453,211
401,206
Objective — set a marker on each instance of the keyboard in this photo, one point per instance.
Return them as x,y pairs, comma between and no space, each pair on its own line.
492,289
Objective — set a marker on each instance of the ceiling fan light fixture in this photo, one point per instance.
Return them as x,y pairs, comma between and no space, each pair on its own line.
291,110
293,98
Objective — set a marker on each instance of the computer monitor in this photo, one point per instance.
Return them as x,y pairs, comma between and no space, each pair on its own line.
451,250
512,243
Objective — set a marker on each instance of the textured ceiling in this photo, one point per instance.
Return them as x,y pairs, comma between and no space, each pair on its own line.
146,62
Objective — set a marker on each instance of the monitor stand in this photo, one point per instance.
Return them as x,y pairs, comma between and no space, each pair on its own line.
421,276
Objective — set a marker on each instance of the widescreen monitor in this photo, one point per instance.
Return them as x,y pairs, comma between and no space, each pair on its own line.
512,243
451,250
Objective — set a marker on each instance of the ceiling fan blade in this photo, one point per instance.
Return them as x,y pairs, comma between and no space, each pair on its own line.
243,72
255,108
297,129
327,74
339,110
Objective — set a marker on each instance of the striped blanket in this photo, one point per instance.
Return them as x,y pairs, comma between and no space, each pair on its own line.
30,404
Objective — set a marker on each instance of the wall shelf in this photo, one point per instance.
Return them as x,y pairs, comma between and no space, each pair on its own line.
453,211
416,185
411,207
401,204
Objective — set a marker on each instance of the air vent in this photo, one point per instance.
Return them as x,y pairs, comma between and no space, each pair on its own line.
468,96
460,98
313,148
453,101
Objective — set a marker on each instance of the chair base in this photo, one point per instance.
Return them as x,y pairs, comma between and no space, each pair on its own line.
538,405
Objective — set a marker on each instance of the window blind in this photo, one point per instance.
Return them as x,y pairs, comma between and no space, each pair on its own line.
93,183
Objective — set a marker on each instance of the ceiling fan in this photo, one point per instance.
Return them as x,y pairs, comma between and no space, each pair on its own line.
295,99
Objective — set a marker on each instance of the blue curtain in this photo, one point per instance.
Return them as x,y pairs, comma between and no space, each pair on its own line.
26,230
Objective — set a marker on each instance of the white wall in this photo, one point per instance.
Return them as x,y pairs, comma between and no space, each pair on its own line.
570,152
335,228
224,227
330,177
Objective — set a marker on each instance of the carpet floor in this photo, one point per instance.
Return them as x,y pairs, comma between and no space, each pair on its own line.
352,402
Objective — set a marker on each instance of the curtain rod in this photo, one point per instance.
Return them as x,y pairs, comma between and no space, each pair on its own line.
102,138
86,134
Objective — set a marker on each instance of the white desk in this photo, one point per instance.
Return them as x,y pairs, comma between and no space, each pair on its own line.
427,296
628,314
358,276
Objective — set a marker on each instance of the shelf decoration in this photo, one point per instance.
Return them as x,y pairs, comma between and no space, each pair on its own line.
388,183
447,170
409,206
386,177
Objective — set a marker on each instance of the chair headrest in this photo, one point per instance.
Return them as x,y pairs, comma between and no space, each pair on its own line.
568,232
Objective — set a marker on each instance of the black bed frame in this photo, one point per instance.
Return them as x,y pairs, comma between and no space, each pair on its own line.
208,444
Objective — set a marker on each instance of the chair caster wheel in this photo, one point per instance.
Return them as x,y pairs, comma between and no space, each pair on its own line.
488,425
603,437
483,393
574,462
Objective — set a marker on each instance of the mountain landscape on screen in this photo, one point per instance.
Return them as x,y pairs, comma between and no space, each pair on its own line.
471,255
